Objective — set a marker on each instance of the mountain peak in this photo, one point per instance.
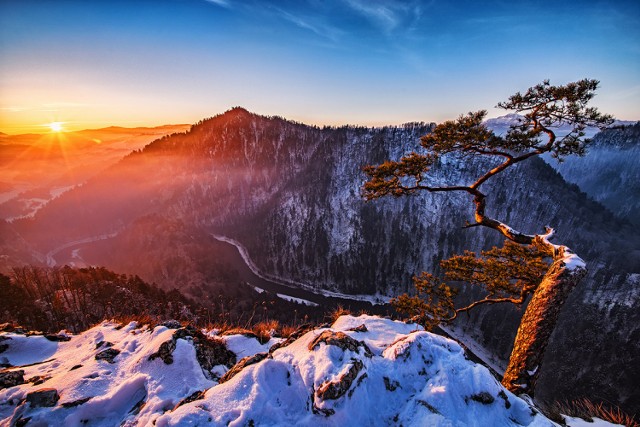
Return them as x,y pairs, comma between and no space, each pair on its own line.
237,111
231,115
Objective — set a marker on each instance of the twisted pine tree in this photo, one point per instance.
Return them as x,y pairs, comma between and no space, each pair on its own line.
528,265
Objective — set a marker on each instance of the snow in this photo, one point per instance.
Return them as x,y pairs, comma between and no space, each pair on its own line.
113,389
247,346
379,330
571,260
297,300
412,378
385,373
578,422
25,350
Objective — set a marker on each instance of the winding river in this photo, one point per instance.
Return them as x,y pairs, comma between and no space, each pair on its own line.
250,274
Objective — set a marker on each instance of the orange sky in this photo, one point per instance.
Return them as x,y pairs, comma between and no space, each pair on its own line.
93,64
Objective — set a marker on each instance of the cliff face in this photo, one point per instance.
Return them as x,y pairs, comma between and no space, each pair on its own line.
613,162
290,193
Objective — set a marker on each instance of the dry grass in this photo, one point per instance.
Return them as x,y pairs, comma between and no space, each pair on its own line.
337,312
140,319
220,327
287,330
237,331
587,410
266,330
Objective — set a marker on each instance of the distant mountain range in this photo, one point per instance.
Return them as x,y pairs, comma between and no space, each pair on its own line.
290,193
36,168
501,124
609,172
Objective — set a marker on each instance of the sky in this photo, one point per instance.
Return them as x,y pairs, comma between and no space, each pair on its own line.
91,64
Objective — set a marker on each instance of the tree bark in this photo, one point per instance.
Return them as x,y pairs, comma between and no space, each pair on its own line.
539,319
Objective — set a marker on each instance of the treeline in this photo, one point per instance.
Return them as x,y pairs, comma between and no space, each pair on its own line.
51,299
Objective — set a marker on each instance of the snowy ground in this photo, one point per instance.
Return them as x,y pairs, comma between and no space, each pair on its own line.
362,371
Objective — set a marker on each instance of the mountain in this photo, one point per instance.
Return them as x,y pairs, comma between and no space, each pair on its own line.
36,168
500,125
290,194
359,371
613,165
612,159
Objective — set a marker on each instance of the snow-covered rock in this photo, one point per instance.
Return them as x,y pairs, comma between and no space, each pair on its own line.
387,373
361,371
130,388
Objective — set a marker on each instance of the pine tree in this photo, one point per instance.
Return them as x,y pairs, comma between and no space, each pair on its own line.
519,269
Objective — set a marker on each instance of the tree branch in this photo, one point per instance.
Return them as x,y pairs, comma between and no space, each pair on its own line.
438,189
484,301
524,293
481,219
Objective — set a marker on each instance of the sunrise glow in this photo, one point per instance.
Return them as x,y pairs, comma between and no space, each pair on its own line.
56,126
369,62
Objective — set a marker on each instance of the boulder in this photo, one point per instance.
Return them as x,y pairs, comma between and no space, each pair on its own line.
243,363
11,379
302,329
171,324
45,397
361,328
209,352
108,355
339,339
57,337
197,395
338,388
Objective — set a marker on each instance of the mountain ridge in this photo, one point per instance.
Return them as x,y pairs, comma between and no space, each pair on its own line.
290,193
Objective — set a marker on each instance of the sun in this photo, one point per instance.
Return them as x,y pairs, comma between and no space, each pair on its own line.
56,126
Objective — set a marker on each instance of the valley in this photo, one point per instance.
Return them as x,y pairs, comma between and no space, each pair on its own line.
290,194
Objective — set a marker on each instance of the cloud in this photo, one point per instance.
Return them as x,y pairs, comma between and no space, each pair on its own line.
314,25
380,14
221,3
15,109
387,15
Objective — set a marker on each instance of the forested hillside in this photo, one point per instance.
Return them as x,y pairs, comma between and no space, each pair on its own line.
291,194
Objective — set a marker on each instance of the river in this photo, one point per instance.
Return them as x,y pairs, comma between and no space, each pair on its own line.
239,260
250,274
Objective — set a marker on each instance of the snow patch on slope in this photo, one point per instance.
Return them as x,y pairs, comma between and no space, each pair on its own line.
384,373
362,370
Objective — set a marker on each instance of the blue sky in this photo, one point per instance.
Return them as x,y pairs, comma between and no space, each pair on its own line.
130,63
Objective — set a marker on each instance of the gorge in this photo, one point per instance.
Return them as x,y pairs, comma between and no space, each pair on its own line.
290,194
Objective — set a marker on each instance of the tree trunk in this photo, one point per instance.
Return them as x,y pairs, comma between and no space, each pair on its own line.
540,318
